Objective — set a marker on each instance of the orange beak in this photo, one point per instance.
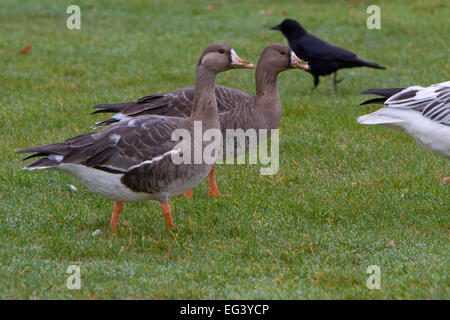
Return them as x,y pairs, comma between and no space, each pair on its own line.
296,62
238,62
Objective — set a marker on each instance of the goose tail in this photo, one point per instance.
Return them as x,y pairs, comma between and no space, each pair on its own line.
52,155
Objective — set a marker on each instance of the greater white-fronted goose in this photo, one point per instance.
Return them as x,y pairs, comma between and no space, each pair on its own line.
237,110
132,160
422,112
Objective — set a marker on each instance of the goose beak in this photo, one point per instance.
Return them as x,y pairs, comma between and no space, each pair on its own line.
238,62
296,62
277,27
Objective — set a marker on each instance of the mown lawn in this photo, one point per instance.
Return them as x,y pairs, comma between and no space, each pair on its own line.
346,196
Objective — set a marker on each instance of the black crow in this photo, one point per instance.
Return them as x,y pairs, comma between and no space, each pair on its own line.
322,57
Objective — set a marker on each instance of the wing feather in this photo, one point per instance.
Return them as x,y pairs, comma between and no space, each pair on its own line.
175,104
116,148
433,101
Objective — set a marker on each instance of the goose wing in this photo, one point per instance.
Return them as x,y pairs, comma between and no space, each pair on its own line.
177,104
115,149
433,101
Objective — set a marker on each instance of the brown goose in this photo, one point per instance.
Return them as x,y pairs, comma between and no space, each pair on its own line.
133,160
237,110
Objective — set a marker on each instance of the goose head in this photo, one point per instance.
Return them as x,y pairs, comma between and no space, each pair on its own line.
221,57
280,58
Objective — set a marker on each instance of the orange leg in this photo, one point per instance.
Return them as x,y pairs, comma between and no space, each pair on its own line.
115,216
213,191
167,214
189,194
446,180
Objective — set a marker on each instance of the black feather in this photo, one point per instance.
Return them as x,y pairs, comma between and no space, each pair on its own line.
373,101
107,122
387,93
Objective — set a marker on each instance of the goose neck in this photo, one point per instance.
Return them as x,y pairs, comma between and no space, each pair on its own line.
266,81
205,105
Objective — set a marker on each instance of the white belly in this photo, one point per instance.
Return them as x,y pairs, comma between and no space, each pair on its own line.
432,136
109,186
104,183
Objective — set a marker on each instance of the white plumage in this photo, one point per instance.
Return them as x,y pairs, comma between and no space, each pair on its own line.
422,112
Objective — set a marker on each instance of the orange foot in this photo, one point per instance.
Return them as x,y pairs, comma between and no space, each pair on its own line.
189,195
167,214
115,216
213,191
446,180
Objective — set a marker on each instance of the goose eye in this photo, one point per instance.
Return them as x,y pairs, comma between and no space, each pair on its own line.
221,51
282,52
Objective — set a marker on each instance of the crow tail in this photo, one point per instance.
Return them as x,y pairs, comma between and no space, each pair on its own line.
370,64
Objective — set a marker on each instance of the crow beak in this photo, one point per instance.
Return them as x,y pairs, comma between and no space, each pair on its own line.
238,62
277,27
296,62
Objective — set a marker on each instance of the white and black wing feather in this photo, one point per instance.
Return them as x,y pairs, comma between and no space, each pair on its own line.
433,101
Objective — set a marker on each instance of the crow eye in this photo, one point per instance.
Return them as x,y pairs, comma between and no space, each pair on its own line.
221,51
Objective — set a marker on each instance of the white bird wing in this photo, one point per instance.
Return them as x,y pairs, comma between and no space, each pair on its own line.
433,101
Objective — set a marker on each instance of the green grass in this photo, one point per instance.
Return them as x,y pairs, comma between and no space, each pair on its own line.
346,196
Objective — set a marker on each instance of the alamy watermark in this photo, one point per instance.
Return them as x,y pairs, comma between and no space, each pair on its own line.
74,20
74,280
374,280
211,147
374,20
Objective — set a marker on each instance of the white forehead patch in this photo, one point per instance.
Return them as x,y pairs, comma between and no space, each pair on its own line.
293,57
234,57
